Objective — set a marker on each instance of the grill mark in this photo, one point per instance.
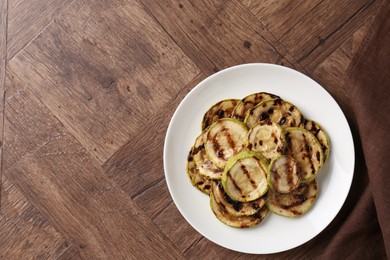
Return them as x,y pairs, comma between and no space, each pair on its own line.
282,121
222,207
217,147
264,116
245,170
220,113
309,152
248,103
198,149
255,206
238,117
275,138
290,173
275,178
234,183
229,138
237,206
318,155
278,101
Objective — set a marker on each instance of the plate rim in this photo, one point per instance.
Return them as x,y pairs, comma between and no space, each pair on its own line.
199,86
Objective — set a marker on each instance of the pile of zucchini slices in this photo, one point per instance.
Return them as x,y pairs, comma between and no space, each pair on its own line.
256,155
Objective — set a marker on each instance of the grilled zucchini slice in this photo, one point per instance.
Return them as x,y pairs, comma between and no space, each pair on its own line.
293,204
284,174
225,138
232,207
222,109
267,138
199,181
245,176
321,135
279,111
202,161
248,102
305,148
234,221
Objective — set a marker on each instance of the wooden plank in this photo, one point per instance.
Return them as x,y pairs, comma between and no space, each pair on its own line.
223,31
3,57
97,68
24,232
157,203
176,228
279,16
312,30
27,18
331,72
67,185
126,168
154,199
331,75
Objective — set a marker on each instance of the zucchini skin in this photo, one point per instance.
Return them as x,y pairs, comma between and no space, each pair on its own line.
322,136
221,109
203,163
249,102
293,204
246,184
277,110
286,180
234,221
225,138
235,208
306,149
267,138
243,181
199,181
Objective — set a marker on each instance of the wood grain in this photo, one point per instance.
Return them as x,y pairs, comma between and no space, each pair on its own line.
134,175
18,216
67,185
312,30
88,88
103,95
27,18
3,57
223,38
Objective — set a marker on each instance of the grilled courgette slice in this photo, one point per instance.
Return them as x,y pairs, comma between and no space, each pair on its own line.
305,148
279,111
321,135
202,161
222,109
225,138
232,207
284,174
267,138
199,181
293,204
250,101
234,221
245,176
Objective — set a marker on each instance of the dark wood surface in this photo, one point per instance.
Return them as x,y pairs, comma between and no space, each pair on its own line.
87,90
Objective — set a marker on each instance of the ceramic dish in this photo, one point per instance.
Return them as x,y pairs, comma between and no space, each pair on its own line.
275,233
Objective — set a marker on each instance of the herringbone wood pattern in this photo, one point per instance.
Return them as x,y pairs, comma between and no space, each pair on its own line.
87,89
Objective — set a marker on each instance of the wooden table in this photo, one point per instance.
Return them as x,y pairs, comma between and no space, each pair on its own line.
88,89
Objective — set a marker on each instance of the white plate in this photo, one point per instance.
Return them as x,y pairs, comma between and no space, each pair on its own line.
275,233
